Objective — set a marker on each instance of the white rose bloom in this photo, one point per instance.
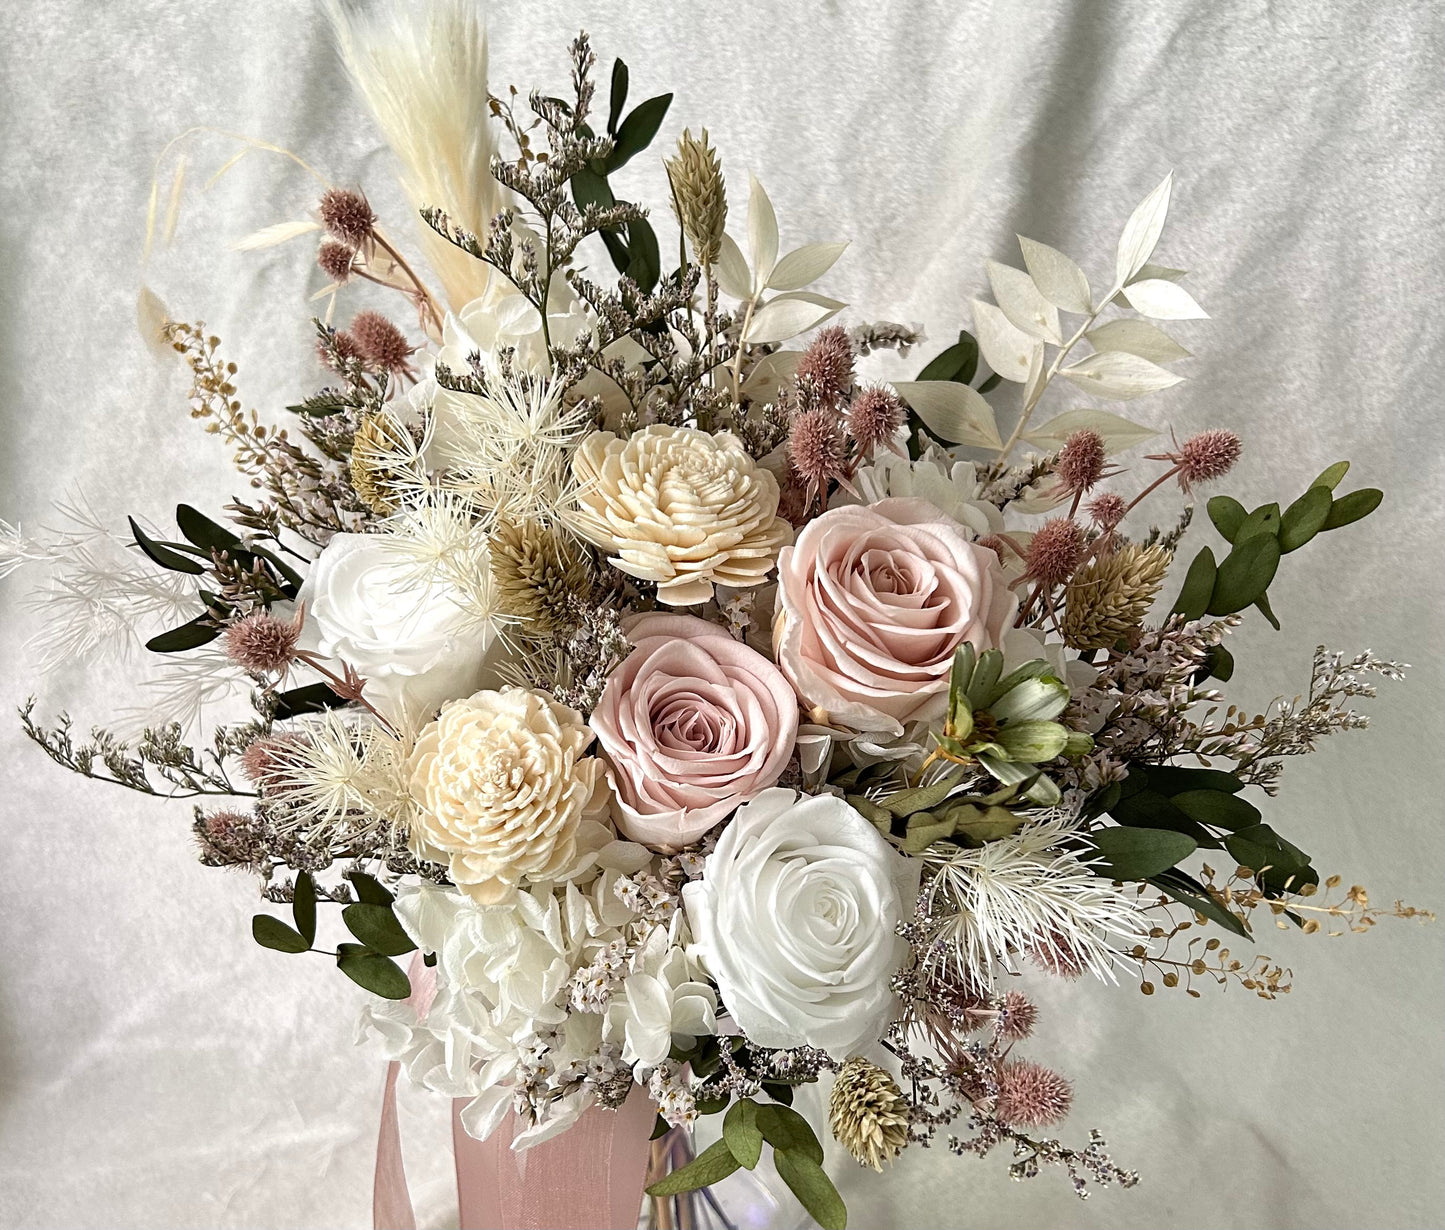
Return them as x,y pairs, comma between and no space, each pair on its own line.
663,1002
412,641
950,486
502,974
796,919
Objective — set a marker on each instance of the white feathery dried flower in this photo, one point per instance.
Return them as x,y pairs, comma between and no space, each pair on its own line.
1009,896
343,778
441,542
507,452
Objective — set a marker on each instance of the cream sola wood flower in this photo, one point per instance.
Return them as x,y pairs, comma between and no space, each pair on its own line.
680,507
501,786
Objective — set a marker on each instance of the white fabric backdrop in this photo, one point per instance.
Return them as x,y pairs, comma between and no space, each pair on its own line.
157,1069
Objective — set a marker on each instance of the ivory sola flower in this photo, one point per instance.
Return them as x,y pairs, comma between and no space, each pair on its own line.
680,507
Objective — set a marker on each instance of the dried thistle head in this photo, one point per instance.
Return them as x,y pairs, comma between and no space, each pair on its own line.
1055,550
874,418
348,216
382,346
1031,1095
698,194
541,577
815,448
261,643
1108,598
827,365
868,1113
1107,509
335,259
1081,461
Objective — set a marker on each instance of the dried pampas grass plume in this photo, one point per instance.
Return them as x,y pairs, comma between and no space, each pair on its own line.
422,69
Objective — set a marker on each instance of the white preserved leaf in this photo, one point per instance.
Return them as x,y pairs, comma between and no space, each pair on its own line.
1163,300
1160,271
270,236
1022,303
1142,231
804,266
762,232
1120,375
1118,433
952,411
770,373
1136,337
151,318
1059,280
1033,383
786,316
1008,349
731,270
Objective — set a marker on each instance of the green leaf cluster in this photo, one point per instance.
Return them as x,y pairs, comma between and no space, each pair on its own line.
957,363
633,248
797,1154
370,919
1258,540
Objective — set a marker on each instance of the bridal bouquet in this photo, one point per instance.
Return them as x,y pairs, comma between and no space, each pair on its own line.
704,717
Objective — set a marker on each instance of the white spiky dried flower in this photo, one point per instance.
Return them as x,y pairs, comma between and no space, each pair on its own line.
1021,894
442,543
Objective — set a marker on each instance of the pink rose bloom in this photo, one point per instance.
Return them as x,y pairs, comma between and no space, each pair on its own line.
693,723
872,603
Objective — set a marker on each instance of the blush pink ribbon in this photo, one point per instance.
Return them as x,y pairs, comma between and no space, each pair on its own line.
589,1178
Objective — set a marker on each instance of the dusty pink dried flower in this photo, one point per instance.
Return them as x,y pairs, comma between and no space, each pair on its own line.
1207,456
343,349
828,365
815,447
382,345
874,417
261,643
1055,551
1058,958
1019,1016
1081,461
1107,509
262,759
1031,1095
794,501
335,259
225,837
347,215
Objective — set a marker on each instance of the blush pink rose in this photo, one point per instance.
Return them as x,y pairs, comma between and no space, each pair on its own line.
692,723
872,603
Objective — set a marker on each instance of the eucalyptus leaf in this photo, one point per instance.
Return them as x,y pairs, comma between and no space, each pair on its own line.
920,798
1198,586
1169,779
1331,477
303,907
199,631
617,99
372,972
312,698
1263,520
712,1165
271,932
1188,891
959,362
635,133
1136,854
1350,508
807,1180
376,927
1215,808
1305,518
369,889
1228,514
788,1132
740,1130
1245,574
168,556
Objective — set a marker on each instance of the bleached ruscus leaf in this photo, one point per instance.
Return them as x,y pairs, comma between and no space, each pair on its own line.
1008,349
1118,433
1136,337
952,411
1163,300
1021,301
1058,278
1142,231
1119,375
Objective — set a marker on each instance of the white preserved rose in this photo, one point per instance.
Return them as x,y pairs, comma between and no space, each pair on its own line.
796,919
411,640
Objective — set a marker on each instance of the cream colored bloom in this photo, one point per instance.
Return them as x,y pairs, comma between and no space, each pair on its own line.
680,507
501,784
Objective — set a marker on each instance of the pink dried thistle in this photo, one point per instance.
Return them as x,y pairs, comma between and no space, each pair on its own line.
874,419
1019,1016
1081,462
1031,1095
382,345
335,259
795,501
1107,509
1055,956
347,215
264,760
1208,456
815,448
226,837
343,350
827,365
1055,551
261,643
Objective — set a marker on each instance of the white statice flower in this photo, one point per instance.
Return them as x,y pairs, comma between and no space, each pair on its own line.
665,1001
503,974
951,486
1028,893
